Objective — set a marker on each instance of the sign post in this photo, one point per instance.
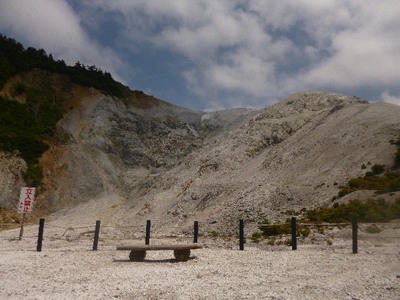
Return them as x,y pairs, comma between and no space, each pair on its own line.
25,205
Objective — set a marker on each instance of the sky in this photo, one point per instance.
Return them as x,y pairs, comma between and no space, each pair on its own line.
214,55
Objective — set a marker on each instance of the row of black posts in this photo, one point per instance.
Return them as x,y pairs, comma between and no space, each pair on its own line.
196,234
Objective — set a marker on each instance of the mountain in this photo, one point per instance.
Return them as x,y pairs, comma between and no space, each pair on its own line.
131,158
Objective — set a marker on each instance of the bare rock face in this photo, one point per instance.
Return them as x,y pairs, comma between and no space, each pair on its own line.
112,148
289,156
223,166
12,168
125,163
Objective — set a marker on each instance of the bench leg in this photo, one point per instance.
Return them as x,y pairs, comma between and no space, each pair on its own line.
137,255
182,255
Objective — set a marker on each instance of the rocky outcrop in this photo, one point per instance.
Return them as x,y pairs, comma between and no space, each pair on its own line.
12,168
289,156
128,160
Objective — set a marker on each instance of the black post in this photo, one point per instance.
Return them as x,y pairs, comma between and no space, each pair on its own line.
40,235
148,232
96,235
241,235
294,234
355,228
21,232
196,231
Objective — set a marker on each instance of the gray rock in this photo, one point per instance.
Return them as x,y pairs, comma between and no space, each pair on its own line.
173,165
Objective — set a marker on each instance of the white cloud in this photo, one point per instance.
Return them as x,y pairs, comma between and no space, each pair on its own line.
260,49
54,26
366,54
345,43
390,99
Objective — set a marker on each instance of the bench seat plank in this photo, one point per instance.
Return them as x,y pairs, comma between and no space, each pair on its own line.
160,247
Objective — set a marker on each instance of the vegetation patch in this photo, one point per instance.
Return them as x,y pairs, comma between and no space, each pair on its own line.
389,182
386,182
397,153
288,242
14,59
279,229
214,233
24,127
372,210
256,236
373,229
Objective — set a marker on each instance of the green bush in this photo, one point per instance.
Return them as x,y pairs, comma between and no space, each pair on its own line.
389,182
372,210
214,233
373,229
302,231
256,234
288,242
386,183
24,127
274,229
19,88
345,191
397,153
15,59
397,158
378,169
255,237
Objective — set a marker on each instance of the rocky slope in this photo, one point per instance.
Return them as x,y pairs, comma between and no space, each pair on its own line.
124,161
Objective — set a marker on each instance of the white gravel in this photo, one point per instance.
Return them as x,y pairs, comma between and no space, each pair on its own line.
67,268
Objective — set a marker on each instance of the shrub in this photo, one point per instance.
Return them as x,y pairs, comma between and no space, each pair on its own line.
214,233
256,234
378,169
389,182
288,242
20,88
302,231
24,127
372,210
255,237
345,191
274,229
397,158
393,142
373,229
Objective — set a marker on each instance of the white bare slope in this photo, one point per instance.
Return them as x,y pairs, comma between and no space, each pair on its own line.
292,155
123,165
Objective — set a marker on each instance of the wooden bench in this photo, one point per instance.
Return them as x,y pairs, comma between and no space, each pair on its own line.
181,252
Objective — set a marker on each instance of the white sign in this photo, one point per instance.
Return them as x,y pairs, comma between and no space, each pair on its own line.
26,198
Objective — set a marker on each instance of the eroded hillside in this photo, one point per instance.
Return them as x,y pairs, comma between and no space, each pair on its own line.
128,160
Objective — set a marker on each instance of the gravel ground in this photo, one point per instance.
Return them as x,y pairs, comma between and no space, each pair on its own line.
67,268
